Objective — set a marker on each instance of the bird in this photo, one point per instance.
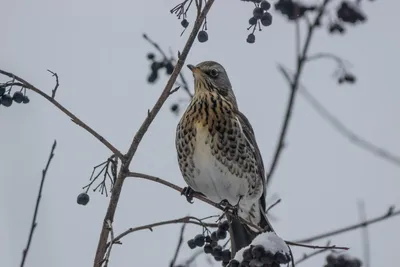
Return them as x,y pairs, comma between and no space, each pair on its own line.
218,155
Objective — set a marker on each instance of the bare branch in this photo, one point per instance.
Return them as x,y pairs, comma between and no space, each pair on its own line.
106,260
315,247
294,86
185,220
63,109
310,255
53,92
34,222
389,214
178,247
102,244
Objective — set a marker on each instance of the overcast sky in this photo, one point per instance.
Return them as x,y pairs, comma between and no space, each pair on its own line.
98,51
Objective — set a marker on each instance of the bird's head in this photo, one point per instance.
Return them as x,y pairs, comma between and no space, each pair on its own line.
210,76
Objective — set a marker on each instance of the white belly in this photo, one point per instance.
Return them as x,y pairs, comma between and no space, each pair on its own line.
211,177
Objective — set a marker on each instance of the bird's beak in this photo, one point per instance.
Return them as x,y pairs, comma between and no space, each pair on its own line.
193,69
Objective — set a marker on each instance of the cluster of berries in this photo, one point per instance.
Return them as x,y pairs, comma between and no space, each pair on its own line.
6,99
181,12
342,261
260,15
156,66
350,13
210,243
83,199
257,256
293,10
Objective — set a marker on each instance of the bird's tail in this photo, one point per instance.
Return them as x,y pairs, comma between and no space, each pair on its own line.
241,234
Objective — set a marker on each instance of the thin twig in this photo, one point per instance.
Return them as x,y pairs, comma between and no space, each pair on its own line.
34,222
192,258
178,247
185,220
388,214
314,246
273,205
54,91
102,244
365,236
292,97
310,255
74,118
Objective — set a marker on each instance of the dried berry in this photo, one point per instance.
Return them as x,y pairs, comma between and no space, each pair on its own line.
18,97
202,36
191,243
184,23
251,38
82,199
6,100
199,240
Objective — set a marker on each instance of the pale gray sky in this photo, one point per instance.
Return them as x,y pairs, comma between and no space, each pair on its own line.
97,49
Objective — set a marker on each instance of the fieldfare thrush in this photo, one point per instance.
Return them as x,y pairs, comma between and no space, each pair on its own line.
218,153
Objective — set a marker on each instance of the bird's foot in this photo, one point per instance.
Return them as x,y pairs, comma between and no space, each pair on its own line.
228,208
188,192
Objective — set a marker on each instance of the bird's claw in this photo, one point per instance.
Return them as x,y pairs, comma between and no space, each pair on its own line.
188,193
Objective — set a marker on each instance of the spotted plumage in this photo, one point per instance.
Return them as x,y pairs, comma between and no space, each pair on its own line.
217,152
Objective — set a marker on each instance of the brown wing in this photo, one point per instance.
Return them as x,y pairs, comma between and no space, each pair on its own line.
249,133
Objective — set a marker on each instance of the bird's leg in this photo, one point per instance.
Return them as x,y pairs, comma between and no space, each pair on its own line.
235,209
188,192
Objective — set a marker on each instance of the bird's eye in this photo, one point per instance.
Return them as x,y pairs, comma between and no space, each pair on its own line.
213,73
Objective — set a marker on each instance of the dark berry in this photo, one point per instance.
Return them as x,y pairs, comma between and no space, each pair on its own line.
169,68
252,21
208,249
152,77
191,243
82,199
234,263
25,100
174,108
155,66
225,263
214,236
199,240
257,251
18,97
281,258
267,257
275,264
217,251
251,38
356,263
184,23
255,263
266,19
221,234
350,78
265,5
247,256
224,225
202,36
208,239
258,12
214,244
6,100
226,255
244,264
2,90
217,258
150,56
